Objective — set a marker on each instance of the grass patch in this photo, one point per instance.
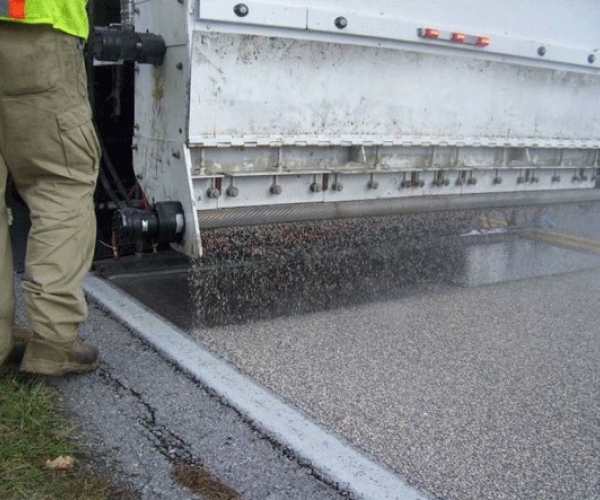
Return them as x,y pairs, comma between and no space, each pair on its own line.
32,431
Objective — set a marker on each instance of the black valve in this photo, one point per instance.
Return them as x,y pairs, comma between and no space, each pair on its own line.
116,44
163,224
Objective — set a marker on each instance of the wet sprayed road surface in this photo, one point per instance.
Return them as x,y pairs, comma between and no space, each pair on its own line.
475,378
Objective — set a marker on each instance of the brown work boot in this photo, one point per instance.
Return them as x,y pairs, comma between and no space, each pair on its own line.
16,354
57,359
20,336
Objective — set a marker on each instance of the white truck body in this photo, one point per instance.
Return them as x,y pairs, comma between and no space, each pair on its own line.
282,110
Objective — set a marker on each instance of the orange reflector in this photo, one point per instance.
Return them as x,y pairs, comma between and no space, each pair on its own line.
16,9
459,37
431,33
483,41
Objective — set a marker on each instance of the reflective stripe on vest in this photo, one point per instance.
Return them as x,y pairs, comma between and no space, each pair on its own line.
14,9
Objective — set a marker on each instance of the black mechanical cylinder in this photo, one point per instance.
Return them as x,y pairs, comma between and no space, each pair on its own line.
162,225
170,221
115,44
132,225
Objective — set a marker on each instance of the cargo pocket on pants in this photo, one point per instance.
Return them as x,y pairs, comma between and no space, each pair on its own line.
79,141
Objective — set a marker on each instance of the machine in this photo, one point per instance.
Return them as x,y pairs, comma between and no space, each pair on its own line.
220,113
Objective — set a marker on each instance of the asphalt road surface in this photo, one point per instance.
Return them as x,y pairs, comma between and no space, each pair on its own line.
480,385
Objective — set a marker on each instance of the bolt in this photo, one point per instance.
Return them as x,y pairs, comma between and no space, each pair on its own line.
584,177
241,10
179,66
541,51
315,187
472,181
213,192
337,186
232,191
275,189
421,183
575,178
534,179
520,180
591,58
341,22
460,181
446,182
497,180
556,178
373,184
405,184
176,154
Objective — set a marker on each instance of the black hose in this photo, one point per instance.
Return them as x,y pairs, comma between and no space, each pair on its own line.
106,162
109,190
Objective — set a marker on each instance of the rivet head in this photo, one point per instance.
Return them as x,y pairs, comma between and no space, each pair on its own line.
591,58
341,22
241,10
541,51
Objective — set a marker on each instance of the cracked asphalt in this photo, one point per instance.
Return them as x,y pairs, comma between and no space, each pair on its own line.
140,415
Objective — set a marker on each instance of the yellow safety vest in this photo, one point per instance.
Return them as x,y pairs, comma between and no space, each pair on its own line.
69,16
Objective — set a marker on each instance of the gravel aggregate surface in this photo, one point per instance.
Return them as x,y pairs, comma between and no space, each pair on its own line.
485,392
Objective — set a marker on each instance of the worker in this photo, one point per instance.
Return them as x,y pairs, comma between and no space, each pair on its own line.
49,146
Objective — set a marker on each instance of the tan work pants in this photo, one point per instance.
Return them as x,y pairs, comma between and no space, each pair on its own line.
49,146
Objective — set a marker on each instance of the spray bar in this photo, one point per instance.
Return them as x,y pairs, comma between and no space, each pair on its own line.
249,216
